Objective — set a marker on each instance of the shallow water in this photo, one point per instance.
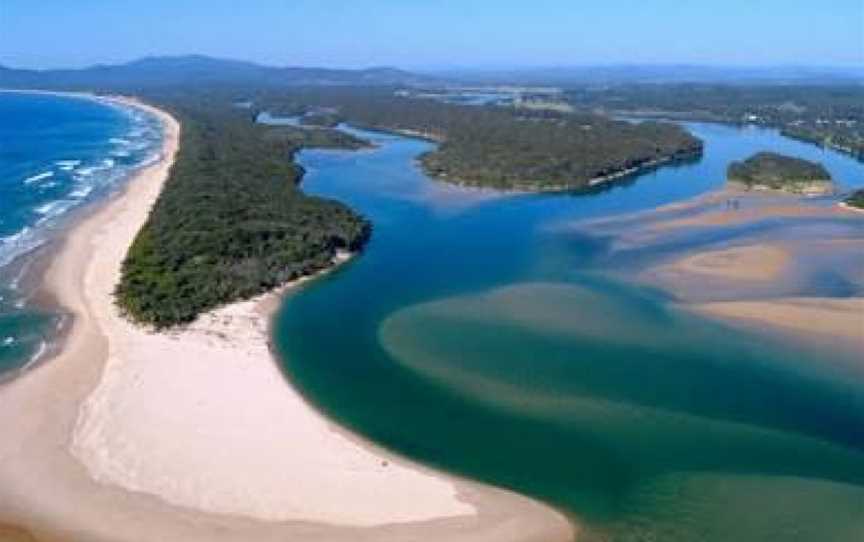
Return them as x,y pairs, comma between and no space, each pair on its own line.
57,153
480,334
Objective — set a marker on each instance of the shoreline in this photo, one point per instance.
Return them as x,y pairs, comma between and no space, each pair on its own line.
93,401
30,266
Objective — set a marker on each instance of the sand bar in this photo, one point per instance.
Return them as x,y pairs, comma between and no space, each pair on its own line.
831,318
196,435
751,262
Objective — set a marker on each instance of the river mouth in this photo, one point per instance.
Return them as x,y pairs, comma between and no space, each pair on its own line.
479,336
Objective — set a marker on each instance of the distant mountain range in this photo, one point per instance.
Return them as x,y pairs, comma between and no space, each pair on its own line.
154,72
202,70
564,76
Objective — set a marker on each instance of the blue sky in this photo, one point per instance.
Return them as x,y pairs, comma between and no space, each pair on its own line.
436,33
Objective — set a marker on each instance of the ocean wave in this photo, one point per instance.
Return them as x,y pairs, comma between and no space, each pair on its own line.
81,179
54,208
17,244
67,165
82,192
39,177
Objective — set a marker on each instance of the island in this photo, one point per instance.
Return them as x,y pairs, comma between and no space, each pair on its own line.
855,200
772,171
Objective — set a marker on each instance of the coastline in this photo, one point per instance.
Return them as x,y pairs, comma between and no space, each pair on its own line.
105,399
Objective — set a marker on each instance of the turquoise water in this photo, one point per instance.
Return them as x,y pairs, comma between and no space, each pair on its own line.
56,154
481,334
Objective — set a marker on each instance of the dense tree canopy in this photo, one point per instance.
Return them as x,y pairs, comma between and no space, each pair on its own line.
230,222
856,199
494,146
776,171
827,115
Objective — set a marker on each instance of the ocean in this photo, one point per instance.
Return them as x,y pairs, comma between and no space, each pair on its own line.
57,154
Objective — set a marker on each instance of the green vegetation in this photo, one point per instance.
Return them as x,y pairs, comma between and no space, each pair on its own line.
230,222
856,199
826,115
321,119
320,138
779,172
841,135
501,147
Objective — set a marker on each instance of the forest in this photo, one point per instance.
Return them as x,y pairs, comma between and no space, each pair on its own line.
231,221
856,199
494,146
822,114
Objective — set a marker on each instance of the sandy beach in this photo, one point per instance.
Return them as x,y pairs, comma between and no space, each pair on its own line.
129,435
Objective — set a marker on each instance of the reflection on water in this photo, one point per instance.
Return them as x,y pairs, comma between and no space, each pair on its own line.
488,340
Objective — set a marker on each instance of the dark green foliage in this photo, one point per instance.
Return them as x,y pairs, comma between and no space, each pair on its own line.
499,147
776,170
321,119
321,138
856,199
826,115
230,222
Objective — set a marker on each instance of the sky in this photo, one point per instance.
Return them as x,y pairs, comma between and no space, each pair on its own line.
436,34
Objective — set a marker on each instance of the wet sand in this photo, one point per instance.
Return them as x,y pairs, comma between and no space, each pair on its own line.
753,262
196,435
767,260
832,318
753,259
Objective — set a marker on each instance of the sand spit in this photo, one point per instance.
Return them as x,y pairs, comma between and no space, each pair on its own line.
128,435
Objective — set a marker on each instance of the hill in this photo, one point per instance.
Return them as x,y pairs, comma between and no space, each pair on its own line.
154,72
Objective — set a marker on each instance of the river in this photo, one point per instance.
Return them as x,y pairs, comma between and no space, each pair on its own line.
479,334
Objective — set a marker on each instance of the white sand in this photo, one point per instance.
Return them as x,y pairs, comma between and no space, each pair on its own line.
203,418
196,436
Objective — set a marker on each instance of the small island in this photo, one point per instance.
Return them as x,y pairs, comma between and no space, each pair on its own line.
855,200
772,171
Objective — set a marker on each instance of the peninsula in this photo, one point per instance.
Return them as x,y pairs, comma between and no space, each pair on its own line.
194,434
498,147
